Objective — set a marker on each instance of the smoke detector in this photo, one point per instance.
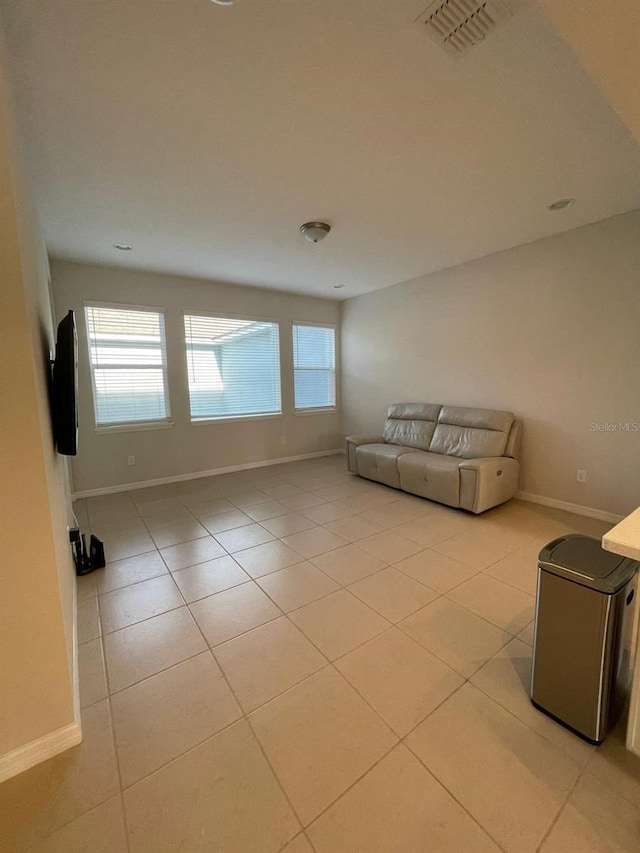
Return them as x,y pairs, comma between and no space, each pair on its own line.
459,25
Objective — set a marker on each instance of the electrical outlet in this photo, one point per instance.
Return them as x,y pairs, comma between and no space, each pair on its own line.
131,460
283,438
581,475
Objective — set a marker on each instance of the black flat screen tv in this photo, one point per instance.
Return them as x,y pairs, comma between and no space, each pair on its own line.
65,387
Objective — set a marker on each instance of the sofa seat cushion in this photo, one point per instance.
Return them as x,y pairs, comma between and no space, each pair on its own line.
380,462
431,475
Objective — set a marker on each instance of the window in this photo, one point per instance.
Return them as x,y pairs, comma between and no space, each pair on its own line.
233,367
128,361
314,367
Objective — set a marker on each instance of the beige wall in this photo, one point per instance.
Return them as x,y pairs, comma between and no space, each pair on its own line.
36,574
186,448
605,36
549,330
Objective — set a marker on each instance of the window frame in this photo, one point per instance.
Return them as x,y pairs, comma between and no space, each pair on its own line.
315,410
217,315
130,426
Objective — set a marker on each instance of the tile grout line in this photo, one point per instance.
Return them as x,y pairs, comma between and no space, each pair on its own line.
102,634
285,614
400,741
442,660
301,834
245,717
318,567
399,738
556,817
117,793
146,618
331,663
449,792
353,784
506,583
583,766
112,693
119,772
114,744
467,680
493,624
256,580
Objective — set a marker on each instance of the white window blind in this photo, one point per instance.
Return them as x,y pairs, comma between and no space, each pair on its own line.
128,360
233,367
314,367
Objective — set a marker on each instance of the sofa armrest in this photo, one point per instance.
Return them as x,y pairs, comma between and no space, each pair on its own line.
487,463
354,441
487,482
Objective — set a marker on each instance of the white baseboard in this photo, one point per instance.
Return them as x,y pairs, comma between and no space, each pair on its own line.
52,744
24,757
197,475
578,509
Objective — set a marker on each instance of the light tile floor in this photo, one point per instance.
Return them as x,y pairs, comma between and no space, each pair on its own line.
294,659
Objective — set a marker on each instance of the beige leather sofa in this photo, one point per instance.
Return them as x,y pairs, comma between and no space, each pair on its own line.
457,456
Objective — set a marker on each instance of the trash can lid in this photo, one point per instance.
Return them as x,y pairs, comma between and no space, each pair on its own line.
583,560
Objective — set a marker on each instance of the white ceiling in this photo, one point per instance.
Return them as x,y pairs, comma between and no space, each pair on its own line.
204,136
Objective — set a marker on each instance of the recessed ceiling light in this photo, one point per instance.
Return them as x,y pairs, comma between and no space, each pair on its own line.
123,247
314,231
338,286
223,2
561,204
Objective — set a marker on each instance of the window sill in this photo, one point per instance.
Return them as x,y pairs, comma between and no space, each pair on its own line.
235,419
142,427
330,410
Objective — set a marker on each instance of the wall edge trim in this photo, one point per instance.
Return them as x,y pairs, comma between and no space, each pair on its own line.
578,509
48,746
39,750
197,475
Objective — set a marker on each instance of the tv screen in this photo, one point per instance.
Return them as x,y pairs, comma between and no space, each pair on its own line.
65,387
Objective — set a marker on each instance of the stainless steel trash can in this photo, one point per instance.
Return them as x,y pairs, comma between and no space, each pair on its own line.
582,639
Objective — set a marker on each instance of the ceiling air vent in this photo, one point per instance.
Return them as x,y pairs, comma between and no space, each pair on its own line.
459,25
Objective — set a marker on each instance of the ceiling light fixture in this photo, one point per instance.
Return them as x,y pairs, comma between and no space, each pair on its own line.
123,247
223,2
561,204
314,232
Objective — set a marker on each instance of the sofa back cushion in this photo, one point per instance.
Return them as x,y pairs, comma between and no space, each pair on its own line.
411,424
471,433
513,442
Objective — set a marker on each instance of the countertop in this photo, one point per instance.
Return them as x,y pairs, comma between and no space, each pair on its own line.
624,538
